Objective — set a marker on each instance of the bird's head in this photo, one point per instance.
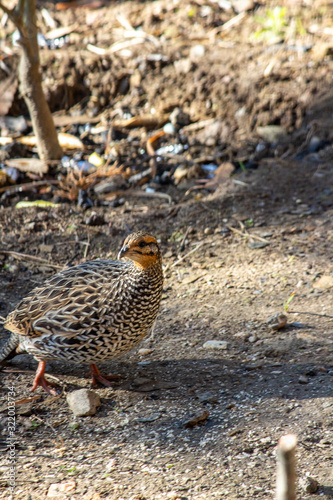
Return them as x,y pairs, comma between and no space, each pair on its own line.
142,248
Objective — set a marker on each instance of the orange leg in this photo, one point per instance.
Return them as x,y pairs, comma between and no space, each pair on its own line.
102,379
41,381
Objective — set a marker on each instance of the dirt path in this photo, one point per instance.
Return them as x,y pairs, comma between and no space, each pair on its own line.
264,384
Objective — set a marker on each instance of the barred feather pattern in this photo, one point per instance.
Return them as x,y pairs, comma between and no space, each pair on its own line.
89,313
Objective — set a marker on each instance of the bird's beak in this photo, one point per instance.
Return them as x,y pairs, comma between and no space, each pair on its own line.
123,252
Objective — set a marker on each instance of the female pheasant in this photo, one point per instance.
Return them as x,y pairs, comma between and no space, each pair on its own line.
91,312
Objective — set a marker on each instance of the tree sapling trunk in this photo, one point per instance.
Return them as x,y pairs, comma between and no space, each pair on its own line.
24,18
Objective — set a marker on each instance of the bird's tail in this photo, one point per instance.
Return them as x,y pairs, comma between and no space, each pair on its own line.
8,350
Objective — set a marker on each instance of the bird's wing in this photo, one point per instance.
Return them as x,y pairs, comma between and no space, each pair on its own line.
66,302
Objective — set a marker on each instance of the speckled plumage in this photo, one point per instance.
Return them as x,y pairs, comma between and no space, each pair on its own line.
91,312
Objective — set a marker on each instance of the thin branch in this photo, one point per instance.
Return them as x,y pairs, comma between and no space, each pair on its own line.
186,255
247,235
141,194
19,188
23,256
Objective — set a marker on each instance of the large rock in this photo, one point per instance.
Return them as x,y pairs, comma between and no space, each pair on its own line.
83,402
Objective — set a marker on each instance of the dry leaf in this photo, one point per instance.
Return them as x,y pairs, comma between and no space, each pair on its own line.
223,172
33,165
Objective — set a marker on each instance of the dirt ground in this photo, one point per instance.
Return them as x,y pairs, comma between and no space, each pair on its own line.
233,255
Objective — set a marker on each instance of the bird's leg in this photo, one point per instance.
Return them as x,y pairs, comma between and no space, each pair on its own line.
98,378
41,381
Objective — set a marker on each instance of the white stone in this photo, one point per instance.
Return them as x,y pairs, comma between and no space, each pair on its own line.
216,344
57,490
83,402
144,351
197,51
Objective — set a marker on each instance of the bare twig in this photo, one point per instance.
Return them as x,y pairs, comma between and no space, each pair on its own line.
87,245
229,24
24,18
25,401
246,235
54,398
182,244
141,194
23,256
286,468
26,186
186,255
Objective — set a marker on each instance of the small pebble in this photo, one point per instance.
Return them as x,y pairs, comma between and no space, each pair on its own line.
277,321
312,372
144,363
303,380
169,128
111,464
173,495
95,219
314,145
254,366
272,133
196,419
31,226
216,344
179,118
144,352
252,338
324,283
208,230
57,490
197,51
309,485
256,245
13,268
242,335
207,397
150,418
234,432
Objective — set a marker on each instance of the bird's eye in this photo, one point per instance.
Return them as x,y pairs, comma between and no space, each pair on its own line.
142,244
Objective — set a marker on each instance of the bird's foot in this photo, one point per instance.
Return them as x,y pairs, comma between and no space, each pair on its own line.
41,381
98,378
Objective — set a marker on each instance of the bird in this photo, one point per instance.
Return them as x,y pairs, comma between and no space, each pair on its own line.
91,312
